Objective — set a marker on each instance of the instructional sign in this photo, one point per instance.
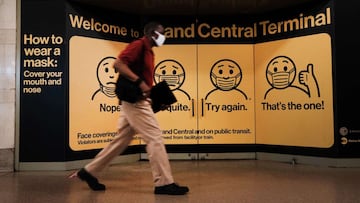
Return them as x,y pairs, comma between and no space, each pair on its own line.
93,106
41,55
264,81
226,92
294,93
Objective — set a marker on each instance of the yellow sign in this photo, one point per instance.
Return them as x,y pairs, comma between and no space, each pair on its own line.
214,88
294,100
177,65
277,93
93,105
226,92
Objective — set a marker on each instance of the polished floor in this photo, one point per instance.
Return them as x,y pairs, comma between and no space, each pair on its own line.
209,181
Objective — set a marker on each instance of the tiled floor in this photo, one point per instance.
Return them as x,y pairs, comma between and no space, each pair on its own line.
209,181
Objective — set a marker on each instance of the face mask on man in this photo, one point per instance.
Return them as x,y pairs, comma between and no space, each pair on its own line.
160,40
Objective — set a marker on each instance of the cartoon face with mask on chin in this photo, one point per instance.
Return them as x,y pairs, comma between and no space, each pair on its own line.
106,76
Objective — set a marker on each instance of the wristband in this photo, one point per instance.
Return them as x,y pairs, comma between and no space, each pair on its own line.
138,81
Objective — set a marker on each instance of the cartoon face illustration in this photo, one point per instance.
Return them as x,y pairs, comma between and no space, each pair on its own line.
280,72
107,75
171,71
226,74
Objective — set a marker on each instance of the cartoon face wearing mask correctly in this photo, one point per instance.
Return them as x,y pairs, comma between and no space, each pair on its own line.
159,41
280,72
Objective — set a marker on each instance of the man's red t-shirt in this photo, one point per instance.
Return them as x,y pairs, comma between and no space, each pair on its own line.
137,53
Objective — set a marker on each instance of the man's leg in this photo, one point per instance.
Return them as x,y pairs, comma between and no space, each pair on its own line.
144,122
106,155
114,148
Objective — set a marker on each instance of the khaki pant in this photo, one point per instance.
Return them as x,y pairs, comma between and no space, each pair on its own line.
137,118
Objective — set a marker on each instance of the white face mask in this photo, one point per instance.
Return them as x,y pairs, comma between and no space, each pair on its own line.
160,40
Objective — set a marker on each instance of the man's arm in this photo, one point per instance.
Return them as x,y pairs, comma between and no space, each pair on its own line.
124,70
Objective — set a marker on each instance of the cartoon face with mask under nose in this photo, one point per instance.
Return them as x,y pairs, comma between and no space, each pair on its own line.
171,71
226,74
280,72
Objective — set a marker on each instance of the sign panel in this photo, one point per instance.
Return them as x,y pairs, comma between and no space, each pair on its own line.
294,93
226,92
93,105
177,65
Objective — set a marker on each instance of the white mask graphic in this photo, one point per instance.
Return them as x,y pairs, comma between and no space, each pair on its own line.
160,40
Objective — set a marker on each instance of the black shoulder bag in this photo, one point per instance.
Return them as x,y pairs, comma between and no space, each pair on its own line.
127,90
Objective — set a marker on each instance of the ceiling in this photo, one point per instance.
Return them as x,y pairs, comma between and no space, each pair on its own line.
194,7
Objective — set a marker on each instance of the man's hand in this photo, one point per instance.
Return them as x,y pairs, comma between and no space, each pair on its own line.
145,89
